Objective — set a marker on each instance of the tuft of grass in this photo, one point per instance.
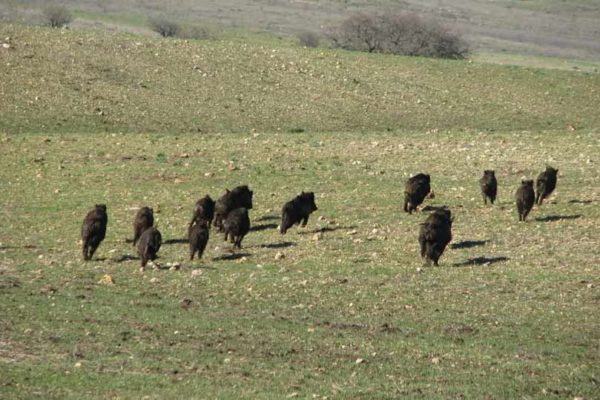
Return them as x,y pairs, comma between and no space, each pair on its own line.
345,310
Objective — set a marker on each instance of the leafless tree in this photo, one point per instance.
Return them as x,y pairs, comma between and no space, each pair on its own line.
57,16
404,34
164,26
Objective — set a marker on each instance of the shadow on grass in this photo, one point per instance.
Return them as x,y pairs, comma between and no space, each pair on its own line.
125,257
432,208
467,244
229,257
279,245
175,241
268,218
481,261
262,227
577,201
552,218
327,229
25,246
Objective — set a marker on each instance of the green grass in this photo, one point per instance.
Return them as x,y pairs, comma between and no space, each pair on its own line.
92,117
538,62
67,81
523,325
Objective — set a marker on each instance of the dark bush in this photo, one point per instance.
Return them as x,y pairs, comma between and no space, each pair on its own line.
404,34
309,39
360,32
164,27
57,16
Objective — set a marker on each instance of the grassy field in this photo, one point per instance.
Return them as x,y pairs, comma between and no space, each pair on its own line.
70,81
343,308
511,312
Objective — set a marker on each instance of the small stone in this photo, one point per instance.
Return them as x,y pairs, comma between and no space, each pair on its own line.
107,280
279,256
196,272
154,280
360,361
317,236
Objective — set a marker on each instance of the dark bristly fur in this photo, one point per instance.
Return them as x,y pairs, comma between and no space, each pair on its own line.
204,209
415,191
435,234
144,219
149,245
297,210
198,234
93,230
489,186
525,198
236,226
239,197
545,184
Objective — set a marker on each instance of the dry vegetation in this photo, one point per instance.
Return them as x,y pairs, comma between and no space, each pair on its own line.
539,27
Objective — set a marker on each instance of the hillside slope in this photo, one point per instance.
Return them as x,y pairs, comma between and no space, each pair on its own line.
561,28
81,81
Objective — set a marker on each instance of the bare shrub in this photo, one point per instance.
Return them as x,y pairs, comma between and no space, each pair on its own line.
309,39
404,34
358,32
164,27
57,16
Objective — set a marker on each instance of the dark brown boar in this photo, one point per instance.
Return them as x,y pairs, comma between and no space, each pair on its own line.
297,210
144,219
198,237
93,230
149,245
525,197
489,186
545,184
435,234
415,191
204,210
239,197
236,225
